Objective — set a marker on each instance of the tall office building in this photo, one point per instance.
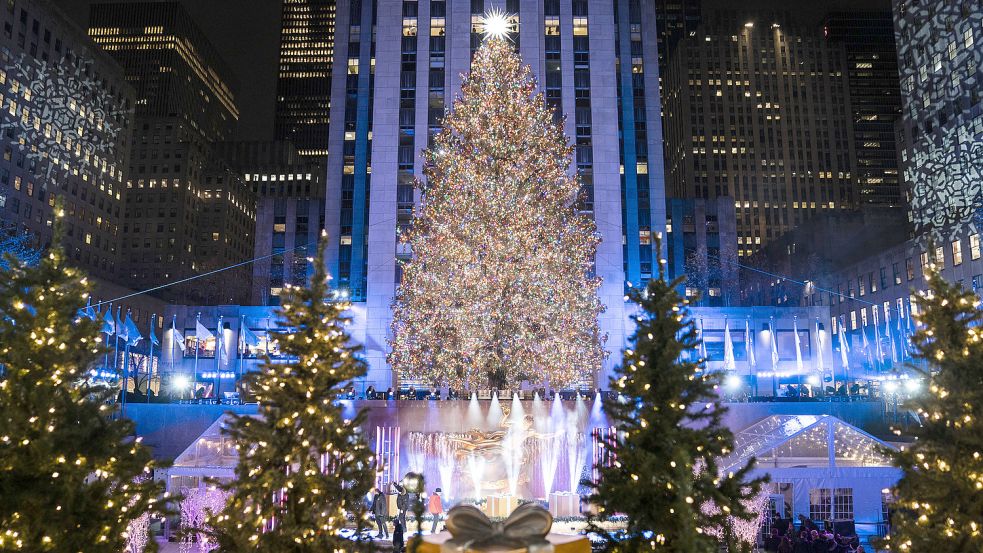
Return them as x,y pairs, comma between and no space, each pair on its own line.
701,244
875,98
758,108
303,92
289,212
389,95
184,103
226,236
675,19
940,51
66,119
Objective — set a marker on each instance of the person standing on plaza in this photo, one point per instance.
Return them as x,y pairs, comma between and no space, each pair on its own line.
380,508
402,502
398,541
436,509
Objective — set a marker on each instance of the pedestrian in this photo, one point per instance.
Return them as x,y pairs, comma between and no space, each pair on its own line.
786,545
435,508
773,541
402,502
398,542
803,544
380,508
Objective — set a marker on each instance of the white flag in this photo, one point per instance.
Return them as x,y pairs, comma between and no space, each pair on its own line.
844,346
749,345
248,336
819,347
201,332
703,344
774,347
798,346
108,322
132,332
729,362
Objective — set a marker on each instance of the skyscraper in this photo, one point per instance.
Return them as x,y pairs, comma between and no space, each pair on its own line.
303,92
65,121
940,50
184,103
289,212
758,108
389,95
675,19
875,98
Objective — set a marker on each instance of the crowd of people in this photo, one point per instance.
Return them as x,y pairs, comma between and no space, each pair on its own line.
407,501
809,540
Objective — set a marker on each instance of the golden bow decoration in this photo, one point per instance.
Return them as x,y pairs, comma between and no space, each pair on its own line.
526,527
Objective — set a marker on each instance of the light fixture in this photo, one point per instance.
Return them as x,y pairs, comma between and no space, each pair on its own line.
181,382
749,24
733,382
495,24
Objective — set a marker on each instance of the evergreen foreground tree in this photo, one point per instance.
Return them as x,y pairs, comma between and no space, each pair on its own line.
498,289
670,436
940,497
71,478
303,468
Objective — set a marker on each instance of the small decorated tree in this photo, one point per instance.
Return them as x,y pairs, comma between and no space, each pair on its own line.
71,477
940,497
669,437
304,469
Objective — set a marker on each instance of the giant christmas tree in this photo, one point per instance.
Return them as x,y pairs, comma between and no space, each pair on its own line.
499,286
304,468
940,497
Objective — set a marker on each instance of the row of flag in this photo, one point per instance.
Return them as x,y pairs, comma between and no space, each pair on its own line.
125,330
899,348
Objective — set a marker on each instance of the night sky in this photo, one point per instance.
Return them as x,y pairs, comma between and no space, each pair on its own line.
247,32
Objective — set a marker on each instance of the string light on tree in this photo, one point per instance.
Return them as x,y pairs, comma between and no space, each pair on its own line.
670,436
72,478
303,468
498,289
940,497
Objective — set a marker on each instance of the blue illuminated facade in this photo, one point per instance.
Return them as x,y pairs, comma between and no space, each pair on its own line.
403,61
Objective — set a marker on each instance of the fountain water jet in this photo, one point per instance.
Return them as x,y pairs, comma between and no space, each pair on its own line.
576,450
494,412
474,418
549,455
514,446
476,467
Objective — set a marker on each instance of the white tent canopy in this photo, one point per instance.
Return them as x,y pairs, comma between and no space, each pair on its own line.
211,455
826,468
820,441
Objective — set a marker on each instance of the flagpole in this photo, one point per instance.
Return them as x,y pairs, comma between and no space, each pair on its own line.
218,359
126,368
240,350
116,346
194,381
150,359
173,342
774,358
105,360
